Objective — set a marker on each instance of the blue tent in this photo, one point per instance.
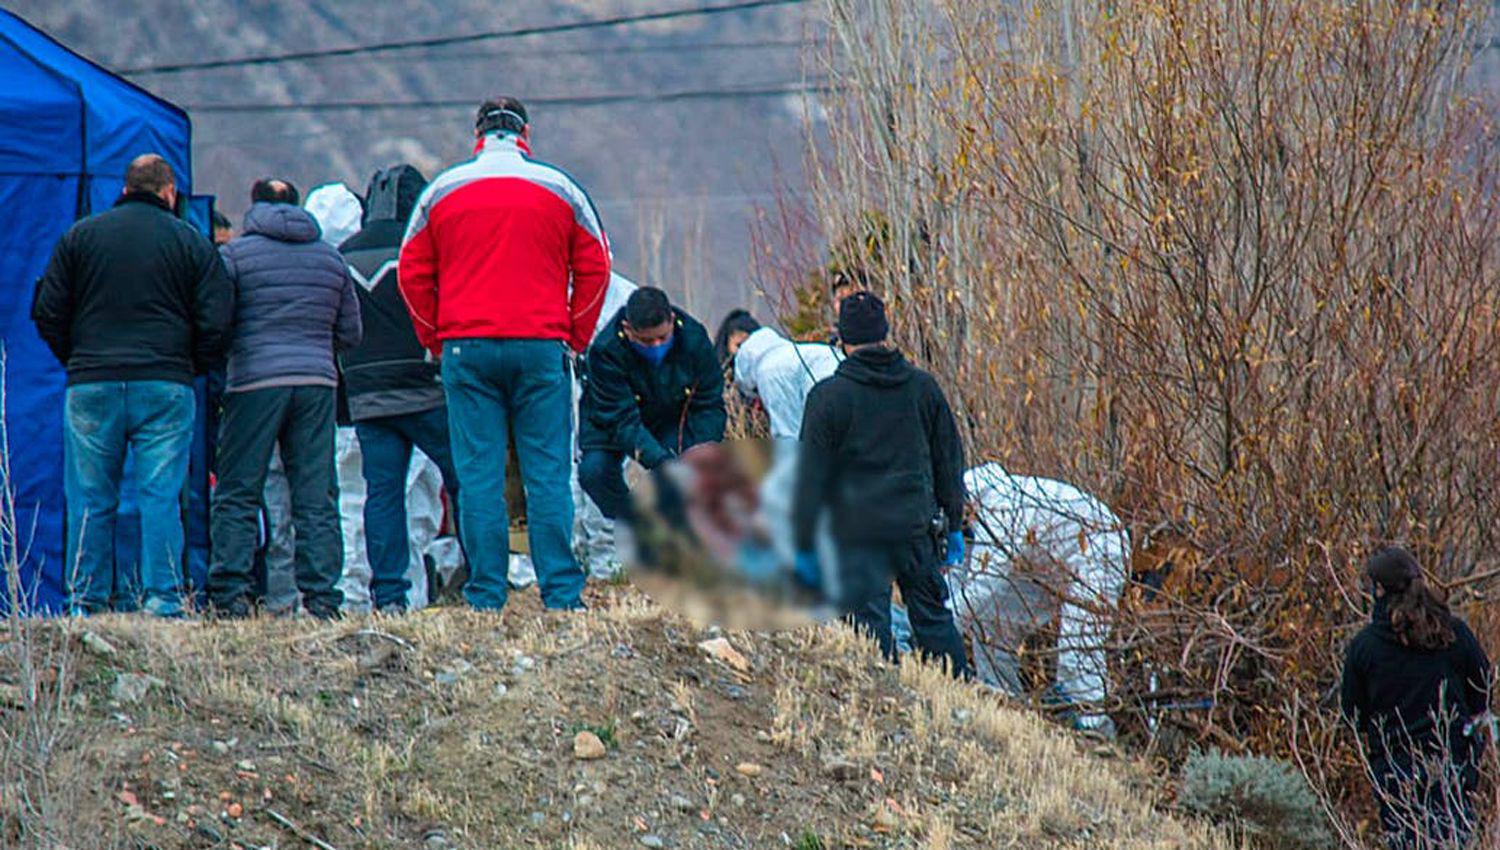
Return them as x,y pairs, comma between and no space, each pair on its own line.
68,129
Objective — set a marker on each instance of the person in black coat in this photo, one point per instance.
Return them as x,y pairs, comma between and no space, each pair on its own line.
881,452
134,303
1416,687
652,389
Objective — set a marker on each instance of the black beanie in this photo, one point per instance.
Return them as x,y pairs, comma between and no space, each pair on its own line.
862,319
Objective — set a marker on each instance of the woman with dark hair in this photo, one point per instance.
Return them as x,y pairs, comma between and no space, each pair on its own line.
1416,687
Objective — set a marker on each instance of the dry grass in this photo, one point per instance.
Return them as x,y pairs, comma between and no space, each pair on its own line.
376,733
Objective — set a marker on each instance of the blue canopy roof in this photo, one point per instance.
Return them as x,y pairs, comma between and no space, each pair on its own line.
68,130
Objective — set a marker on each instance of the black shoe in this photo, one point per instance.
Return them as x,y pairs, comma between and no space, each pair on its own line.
395,609
237,609
325,613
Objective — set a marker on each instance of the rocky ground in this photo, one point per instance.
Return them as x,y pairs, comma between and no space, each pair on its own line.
621,727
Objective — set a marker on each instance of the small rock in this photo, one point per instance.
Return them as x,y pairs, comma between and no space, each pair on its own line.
133,687
682,804
446,678
737,799
720,648
962,716
587,746
247,766
763,736
501,689
235,810
840,768
435,839
522,664
221,747
537,819
749,769
736,692
98,646
652,841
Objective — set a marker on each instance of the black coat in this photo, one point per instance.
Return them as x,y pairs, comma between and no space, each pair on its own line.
389,373
652,413
134,294
881,450
1393,693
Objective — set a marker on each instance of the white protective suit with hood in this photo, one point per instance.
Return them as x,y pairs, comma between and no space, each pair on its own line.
781,373
1044,552
593,533
339,212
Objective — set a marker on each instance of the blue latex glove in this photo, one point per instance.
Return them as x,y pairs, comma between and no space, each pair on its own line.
807,570
955,549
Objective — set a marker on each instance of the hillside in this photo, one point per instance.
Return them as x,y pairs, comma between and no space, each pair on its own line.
449,729
676,183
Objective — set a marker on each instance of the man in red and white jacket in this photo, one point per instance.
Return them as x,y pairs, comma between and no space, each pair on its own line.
504,269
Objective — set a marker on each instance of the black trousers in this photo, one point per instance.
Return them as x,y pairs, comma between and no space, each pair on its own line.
301,421
867,570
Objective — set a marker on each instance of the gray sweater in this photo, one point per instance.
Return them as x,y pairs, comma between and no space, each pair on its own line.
295,303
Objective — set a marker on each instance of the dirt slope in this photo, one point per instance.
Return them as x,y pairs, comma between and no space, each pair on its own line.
448,728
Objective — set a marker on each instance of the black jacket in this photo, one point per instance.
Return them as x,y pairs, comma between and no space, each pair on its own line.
881,450
1399,689
134,294
389,373
652,413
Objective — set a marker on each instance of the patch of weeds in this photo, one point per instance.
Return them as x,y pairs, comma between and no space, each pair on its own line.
605,733
620,578
809,841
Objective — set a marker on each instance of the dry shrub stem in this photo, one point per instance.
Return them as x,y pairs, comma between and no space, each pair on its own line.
1229,265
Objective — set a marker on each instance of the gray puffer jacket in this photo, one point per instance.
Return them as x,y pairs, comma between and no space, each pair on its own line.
295,303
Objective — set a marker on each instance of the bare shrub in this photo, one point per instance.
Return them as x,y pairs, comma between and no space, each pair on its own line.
1230,265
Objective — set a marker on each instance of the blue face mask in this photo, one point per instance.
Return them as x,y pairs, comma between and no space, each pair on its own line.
654,354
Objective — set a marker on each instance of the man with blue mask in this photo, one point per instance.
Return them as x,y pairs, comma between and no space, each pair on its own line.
652,389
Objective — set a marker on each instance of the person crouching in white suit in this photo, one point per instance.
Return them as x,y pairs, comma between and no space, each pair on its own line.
1044,552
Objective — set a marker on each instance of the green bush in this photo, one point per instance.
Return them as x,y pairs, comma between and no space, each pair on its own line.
1265,800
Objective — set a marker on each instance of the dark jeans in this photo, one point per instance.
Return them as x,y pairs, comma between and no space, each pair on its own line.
385,445
1426,803
867,570
154,421
601,474
300,421
497,388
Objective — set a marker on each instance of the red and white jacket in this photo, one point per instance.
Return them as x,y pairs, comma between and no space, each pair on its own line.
504,246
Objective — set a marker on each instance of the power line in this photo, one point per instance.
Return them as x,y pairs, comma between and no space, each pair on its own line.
443,41
468,103
614,49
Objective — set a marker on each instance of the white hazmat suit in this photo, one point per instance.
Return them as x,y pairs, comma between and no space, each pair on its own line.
1044,552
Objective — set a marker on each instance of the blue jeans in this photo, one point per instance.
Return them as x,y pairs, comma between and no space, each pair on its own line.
496,388
385,445
153,420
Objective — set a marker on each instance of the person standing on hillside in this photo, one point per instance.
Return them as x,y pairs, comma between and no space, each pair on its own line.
881,452
504,268
1416,686
394,389
295,307
133,302
652,389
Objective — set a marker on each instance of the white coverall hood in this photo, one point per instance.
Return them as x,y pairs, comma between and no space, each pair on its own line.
337,211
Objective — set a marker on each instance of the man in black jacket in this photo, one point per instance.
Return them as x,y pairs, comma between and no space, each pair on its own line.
134,302
395,392
881,452
652,389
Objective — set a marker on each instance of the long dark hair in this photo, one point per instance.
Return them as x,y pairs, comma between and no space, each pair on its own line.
1419,613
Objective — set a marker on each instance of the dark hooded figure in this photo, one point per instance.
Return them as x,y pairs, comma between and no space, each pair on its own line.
393,385
1416,687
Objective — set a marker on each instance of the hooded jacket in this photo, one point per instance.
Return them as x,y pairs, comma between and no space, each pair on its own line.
880,450
134,294
294,302
389,373
652,413
504,247
781,373
1394,693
